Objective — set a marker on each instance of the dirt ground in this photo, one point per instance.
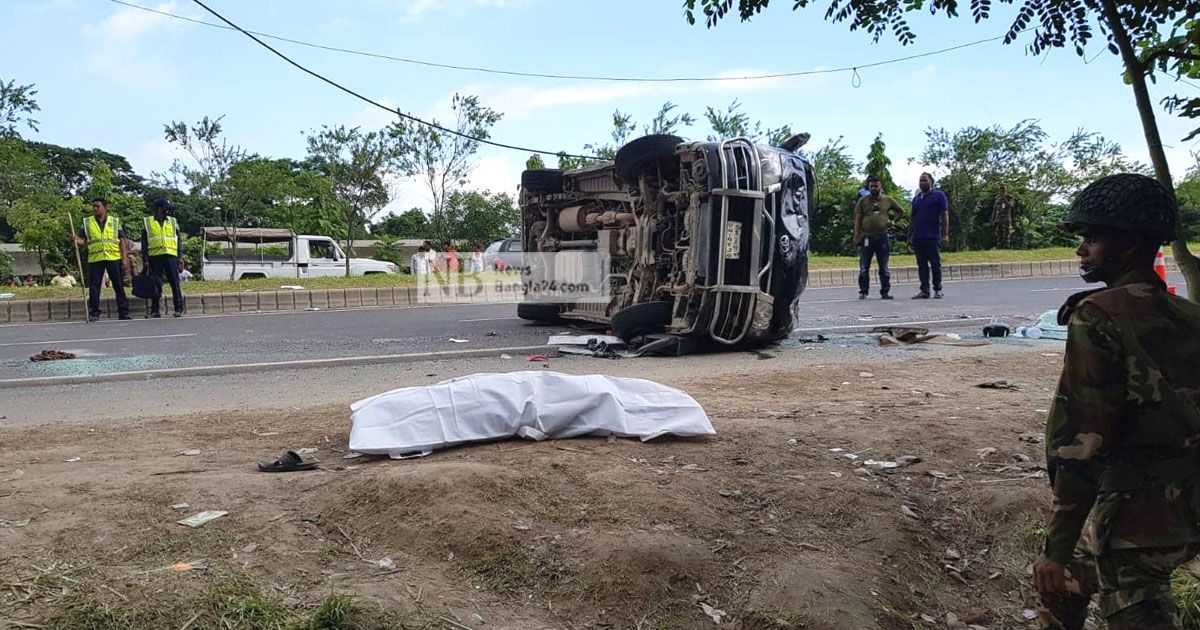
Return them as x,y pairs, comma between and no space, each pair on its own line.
763,526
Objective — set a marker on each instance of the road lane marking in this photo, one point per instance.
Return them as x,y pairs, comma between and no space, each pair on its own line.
487,319
65,341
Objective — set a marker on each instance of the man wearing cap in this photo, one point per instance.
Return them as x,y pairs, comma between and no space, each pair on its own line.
161,243
105,241
1123,433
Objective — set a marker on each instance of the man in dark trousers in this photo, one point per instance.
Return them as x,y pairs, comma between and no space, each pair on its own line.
873,217
928,233
161,243
105,241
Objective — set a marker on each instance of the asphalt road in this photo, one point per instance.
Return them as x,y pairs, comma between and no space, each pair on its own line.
115,346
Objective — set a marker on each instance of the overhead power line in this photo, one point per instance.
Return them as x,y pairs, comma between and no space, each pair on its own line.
578,77
381,105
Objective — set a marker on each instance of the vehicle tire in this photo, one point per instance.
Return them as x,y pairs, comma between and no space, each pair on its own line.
632,158
538,311
252,276
642,319
542,180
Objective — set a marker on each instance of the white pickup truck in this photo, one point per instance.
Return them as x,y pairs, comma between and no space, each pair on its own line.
280,253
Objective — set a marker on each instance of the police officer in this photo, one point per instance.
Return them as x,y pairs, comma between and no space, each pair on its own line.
161,244
105,240
1123,433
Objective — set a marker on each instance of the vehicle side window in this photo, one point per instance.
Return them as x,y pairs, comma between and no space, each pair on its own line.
514,245
320,249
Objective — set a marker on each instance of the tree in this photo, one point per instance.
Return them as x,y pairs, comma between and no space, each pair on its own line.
73,167
212,157
17,106
1040,177
878,163
409,224
1148,37
831,214
443,160
481,217
355,162
534,162
42,227
734,123
22,175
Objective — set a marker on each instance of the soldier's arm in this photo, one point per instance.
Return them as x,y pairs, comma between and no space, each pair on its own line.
1090,400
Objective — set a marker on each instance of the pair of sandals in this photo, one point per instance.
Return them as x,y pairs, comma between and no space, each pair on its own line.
290,461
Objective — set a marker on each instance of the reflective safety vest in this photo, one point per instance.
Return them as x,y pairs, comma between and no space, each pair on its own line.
161,238
103,244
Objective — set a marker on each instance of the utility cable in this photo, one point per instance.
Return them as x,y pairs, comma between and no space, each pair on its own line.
381,105
579,77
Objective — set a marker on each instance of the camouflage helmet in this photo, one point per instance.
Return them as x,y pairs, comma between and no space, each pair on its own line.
1126,201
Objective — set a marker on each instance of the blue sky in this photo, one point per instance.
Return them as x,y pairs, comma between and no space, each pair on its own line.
110,76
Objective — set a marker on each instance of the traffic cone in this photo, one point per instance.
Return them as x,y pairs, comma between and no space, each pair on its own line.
1160,265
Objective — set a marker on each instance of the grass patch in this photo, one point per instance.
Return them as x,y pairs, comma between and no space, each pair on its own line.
203,287
517,571
234,603
1186,588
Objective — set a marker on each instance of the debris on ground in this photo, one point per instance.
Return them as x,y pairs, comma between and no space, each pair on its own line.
8,523
909,335
997,385
538,358
996,330
191,452
52,355
200,518
532,405
289,461
179,507
453,340
72,460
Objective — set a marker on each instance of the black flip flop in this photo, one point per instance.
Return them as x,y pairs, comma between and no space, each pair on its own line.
290,461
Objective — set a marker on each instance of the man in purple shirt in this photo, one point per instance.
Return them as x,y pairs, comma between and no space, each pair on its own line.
928,232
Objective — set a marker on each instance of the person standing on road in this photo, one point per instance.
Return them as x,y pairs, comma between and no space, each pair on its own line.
1002,217
1123,433
476,261
161,243
873,216
928,233
105,241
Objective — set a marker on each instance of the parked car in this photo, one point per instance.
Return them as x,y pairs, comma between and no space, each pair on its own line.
507,252
280,253
705,239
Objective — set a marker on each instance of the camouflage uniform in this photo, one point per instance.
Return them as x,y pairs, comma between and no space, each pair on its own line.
1002,222
1121,445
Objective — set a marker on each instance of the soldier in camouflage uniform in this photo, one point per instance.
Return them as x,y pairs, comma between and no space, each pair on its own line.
1123,433
1002,213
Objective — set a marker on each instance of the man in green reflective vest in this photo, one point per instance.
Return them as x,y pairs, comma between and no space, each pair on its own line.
105,241
161,244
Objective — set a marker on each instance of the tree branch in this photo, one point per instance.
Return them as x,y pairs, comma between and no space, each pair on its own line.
1167,52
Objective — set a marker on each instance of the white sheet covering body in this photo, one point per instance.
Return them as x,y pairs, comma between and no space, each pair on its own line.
536,405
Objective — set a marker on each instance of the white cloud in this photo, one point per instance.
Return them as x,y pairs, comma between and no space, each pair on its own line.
124,47
492,173
524,100
154,156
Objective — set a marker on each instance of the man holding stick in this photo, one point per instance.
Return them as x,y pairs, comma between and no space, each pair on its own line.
105,240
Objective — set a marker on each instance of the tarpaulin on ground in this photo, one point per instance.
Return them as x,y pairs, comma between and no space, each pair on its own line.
535,405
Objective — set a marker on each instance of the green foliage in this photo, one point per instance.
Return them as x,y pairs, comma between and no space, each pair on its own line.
42,227
480,217
534,162
412,223
354,161
1187,193
6,268
832,212
386,248
17,106
443,160
1041,177
193,253
877,165
733,123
